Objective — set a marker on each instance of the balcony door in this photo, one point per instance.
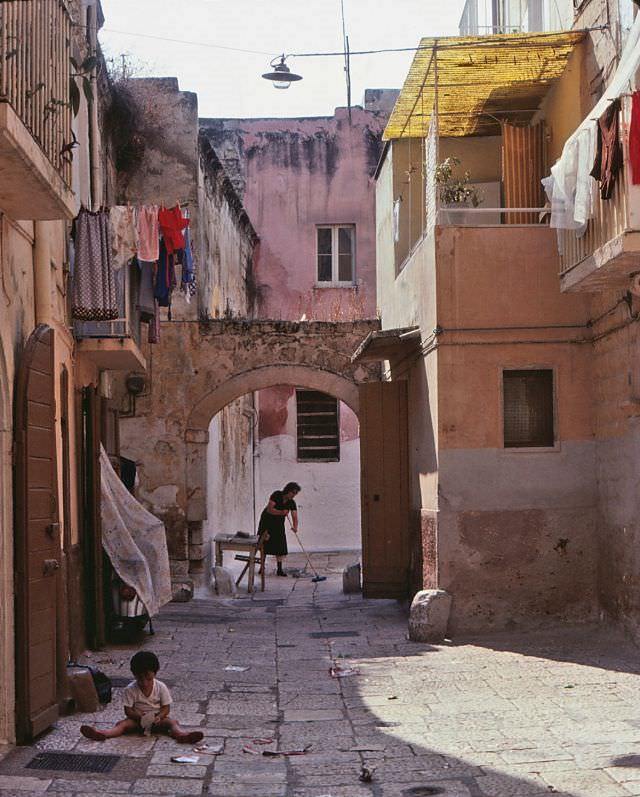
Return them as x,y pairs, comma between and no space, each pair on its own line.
37,539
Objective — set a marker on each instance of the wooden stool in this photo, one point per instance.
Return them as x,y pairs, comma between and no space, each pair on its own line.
250,548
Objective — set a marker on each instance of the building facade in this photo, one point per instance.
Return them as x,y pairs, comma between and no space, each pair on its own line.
307,186
515,339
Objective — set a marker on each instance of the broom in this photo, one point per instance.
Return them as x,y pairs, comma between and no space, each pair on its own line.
316,576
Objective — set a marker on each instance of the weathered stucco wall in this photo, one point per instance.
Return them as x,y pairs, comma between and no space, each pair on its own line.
408,298
523,549
230,472
218,362
294,174
329,503
225,242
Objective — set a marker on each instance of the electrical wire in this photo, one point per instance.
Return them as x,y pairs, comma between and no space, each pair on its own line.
337,53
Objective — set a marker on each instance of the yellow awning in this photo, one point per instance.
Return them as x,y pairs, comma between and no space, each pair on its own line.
506,76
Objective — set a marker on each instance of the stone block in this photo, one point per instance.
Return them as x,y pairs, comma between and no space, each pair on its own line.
351,578
179,567
222,582
429,615
182,591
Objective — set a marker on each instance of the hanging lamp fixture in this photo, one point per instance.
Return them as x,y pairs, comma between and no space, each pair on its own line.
281,76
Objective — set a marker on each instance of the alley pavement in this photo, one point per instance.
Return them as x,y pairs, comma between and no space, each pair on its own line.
507,715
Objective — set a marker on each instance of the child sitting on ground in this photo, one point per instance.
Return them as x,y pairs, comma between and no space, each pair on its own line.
146,704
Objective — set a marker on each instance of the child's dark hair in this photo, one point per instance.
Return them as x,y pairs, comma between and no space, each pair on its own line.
291,487
144,661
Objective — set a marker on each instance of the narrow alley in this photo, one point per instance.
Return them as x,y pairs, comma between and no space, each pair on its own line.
495,716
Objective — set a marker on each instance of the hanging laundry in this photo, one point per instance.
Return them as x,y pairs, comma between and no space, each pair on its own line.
188,267
148,233
94,291
634,138
165,277
172,223
124,235
146,300
608,160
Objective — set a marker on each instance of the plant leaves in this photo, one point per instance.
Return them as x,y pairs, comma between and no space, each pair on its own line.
74,96
87,89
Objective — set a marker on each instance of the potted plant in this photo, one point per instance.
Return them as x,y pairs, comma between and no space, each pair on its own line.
455,191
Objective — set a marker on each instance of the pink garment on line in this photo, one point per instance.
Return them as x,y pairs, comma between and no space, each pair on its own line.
148,233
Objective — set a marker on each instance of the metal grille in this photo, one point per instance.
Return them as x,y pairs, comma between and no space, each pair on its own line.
528,408
74,762
329,634
318,427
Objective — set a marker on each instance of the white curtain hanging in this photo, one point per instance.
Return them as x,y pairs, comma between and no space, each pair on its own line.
135,540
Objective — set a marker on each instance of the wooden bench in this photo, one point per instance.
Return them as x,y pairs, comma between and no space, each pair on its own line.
250,551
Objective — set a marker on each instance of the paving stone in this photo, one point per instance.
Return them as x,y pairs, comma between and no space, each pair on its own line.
23,783
90,786
176,786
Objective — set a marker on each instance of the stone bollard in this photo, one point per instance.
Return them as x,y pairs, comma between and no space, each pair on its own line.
222,582
351,578
429,615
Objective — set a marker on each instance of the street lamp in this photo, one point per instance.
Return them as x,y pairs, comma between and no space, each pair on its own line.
281,76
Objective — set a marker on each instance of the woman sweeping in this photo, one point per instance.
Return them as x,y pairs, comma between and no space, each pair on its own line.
272,522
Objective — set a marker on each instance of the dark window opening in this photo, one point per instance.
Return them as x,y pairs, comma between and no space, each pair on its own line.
318,423
528,408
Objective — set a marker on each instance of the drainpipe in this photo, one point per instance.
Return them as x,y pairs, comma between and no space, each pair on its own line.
42,273
95,171
251,413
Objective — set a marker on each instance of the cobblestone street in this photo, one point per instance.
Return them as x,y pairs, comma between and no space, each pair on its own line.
510,715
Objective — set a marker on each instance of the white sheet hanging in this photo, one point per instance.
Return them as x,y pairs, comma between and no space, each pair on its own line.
134,540
570,204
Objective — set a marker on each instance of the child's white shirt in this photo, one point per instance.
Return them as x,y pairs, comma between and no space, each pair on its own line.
135,698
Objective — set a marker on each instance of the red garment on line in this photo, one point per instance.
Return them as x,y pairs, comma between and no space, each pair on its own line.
172,223
634,138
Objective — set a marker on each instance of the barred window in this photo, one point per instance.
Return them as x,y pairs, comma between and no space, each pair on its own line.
528,408
318,427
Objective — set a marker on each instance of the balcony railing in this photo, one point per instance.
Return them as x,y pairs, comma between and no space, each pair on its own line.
35,41
611,219
487,17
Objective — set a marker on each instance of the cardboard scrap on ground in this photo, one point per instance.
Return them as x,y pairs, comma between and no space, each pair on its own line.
185,759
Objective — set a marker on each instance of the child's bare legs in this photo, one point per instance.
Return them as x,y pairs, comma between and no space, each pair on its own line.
120,728
176,732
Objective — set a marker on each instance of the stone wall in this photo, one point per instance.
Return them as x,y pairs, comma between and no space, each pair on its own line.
198,370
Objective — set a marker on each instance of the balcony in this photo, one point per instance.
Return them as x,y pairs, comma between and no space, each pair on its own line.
35,117
609,251
488,17
115,345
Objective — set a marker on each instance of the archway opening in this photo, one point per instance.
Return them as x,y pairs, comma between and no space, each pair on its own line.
297,424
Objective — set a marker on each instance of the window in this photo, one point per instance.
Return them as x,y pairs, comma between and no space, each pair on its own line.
318,427
336,254
528,408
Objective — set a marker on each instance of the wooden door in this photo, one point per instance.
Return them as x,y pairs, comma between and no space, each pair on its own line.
384,489
37,538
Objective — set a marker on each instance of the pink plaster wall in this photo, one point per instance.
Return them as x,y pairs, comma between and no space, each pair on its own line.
296,174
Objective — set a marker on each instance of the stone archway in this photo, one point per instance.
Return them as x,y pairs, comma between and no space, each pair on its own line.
197,370
197,435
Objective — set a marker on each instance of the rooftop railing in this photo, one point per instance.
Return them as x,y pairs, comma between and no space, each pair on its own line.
35,69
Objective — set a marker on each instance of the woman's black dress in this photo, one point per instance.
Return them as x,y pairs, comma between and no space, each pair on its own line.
276,545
